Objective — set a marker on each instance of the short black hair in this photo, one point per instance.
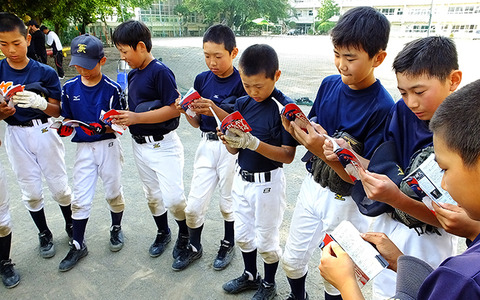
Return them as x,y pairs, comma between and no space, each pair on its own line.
257,59
364,28
43,27
457,122
221,34
32,23
434,56
131,33
9,22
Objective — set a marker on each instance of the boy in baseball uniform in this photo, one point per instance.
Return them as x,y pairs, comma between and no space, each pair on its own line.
152,119
99,153
33,148
259,184
353,104
457,152
427,72
219,88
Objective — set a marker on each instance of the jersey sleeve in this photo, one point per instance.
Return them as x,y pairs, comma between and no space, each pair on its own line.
66,112
167,86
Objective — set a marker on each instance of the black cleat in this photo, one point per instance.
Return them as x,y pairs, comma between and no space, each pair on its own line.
160,243
180,245
10,277
116,238
47,249
73,256
186,257
224,255
266,291
241,284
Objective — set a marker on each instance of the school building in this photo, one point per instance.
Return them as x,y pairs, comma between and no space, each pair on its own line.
456,18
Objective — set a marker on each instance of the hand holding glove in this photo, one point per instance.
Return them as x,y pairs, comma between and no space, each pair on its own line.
239,139
94,129
28,99
64,130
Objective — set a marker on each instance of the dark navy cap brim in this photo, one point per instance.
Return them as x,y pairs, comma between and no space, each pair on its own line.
84,62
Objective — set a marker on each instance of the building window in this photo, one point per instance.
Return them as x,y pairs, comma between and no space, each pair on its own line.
310,12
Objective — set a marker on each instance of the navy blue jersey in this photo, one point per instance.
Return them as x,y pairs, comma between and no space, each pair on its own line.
408,132
155,82
264,119
34,72
222,91
85,103
457,277
361,113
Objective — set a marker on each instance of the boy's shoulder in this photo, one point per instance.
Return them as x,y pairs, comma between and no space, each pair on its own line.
104,83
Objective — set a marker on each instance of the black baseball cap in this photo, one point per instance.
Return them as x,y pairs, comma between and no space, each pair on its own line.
87,51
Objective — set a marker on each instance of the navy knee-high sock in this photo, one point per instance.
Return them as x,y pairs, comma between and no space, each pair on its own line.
79,227
5,244
229,232
67,213
195,236
270,271
250,262
40,220
298,287
182,227
116,218
162,222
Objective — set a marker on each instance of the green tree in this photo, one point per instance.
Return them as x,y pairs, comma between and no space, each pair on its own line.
79,12
328,9
237,14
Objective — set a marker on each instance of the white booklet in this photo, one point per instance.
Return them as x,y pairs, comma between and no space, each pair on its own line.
426,182
368,261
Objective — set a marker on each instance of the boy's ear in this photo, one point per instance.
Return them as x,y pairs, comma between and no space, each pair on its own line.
455,78
28,38
234,52
379,58
277,75
102,60
141,46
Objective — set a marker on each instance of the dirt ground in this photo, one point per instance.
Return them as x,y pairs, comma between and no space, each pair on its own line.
132,273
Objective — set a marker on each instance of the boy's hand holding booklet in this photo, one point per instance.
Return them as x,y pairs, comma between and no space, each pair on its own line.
106,117
5,96
348,159
293,113
368,261
237,131
426,181
187,101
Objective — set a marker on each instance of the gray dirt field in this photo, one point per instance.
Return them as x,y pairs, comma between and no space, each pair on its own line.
132,273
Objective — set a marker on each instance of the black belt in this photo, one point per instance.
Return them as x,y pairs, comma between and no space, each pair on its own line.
256,177
210,135
142,139
31,123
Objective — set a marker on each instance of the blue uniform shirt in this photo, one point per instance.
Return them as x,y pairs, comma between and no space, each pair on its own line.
85,103
222,91
457,277
264,119
34,72
408,132
155,82
361,113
